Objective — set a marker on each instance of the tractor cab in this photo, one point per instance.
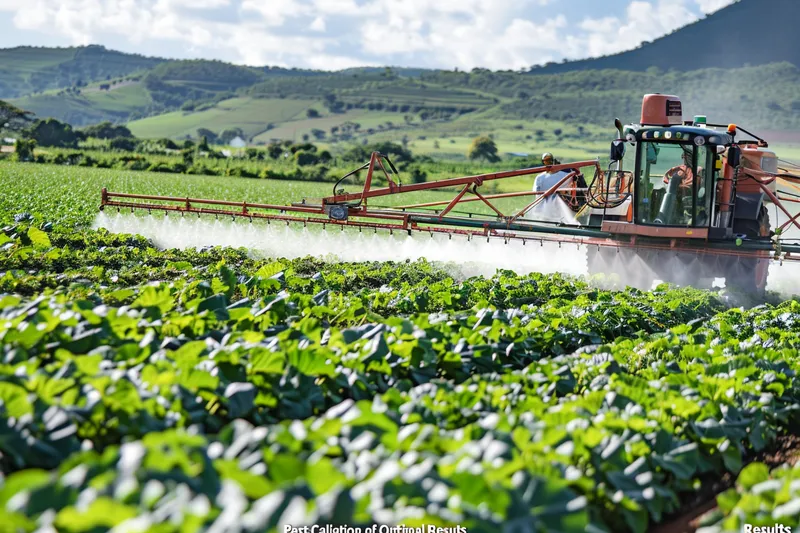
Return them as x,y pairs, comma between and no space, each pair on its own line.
676,170
689,180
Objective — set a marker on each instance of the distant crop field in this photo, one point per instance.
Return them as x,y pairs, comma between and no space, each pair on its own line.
253,115
431,96
294,130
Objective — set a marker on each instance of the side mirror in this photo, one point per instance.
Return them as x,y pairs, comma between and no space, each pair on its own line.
617,150
734,156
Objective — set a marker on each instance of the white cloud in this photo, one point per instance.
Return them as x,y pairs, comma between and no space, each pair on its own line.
643,21
276,12
333,34
318,24
465,33
336,7
710,6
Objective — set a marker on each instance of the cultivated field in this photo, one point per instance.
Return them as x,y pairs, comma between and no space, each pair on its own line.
185,390
251,115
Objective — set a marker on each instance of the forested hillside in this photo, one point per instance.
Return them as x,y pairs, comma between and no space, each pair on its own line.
765,97
748,32
170,98
26,70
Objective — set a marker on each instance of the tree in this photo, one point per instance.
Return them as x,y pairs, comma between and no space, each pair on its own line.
209,135
24,150
275,151
312,113
107,130
123,143
418,176
167,143
304,158
483,148
13,118
51,132
397,153
308,147
203,146
230,134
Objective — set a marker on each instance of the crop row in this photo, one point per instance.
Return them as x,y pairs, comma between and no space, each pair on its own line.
204,390
536,405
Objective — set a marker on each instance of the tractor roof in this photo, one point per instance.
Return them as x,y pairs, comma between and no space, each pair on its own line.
682,134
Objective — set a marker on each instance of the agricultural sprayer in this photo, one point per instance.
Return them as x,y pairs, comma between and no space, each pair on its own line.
684,202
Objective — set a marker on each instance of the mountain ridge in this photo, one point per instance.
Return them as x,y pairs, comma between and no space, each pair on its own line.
745,33
174,98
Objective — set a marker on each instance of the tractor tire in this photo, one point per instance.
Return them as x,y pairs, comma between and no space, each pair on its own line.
749,274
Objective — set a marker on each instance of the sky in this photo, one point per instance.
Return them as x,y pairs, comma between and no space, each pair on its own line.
337,34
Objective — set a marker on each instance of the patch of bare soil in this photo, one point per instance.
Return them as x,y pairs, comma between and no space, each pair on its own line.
785,451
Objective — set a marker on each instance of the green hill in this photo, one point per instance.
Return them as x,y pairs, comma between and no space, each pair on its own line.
765,97
170,101
27,70
748,32
251,115
171,98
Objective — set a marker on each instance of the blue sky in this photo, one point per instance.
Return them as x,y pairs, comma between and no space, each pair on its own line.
335,34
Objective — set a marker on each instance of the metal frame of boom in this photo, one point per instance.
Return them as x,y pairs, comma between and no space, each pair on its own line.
353,210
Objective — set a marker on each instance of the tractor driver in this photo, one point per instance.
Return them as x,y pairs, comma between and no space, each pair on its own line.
685,173
688,180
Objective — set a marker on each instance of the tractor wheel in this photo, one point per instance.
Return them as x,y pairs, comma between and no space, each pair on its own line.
749,274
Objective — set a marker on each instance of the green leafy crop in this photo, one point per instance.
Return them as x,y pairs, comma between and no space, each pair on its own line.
203,390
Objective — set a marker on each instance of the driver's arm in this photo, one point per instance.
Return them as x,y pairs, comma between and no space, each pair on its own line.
672,172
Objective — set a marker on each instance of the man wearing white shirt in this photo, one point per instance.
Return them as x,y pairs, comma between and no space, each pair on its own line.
546,180
553,208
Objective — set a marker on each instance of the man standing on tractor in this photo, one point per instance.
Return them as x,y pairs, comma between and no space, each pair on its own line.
546,180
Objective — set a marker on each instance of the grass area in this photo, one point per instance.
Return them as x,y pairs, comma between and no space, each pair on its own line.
295,129
413,93
252,115
93,103
31,60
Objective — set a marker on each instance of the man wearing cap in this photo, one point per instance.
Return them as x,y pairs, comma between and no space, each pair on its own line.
546,180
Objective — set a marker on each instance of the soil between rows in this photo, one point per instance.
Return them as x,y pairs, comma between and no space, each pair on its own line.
785,451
